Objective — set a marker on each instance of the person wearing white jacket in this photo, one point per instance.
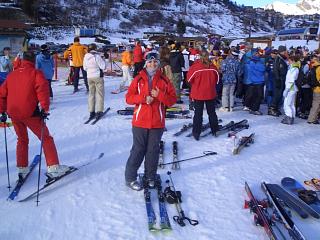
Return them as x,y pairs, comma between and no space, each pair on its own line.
291,90
94,65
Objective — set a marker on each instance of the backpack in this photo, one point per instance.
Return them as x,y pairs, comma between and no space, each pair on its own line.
301,80
311,77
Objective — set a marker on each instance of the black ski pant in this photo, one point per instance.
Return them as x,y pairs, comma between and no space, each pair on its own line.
304,100
137,68
145,146
278,89
254,96
198,113
77,76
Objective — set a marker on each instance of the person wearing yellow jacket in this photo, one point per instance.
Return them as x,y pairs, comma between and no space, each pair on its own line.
77,52
127,62
315,109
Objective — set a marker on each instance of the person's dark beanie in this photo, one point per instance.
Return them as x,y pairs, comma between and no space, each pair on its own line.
76,39
282,48
29,56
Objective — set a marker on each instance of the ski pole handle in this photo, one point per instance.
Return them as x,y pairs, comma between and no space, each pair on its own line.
207,153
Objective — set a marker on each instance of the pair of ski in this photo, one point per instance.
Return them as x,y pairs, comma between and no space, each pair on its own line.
243,142
96,119
175,165
263,218
164,218
14,193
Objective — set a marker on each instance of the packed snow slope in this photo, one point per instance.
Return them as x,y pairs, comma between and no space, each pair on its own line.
94,203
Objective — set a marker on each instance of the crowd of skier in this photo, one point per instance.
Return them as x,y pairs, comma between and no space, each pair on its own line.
212,76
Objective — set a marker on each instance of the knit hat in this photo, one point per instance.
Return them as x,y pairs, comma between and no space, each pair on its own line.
152,55
92,46
44,47
282,48
29,56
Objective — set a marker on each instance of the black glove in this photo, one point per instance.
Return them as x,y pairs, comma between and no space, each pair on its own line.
3,117
44,114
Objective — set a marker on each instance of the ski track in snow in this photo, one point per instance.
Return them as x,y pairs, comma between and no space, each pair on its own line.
94,203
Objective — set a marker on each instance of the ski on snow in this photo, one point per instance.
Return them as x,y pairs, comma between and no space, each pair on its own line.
161,151
103,114
164,219
175,165
51,181
14,193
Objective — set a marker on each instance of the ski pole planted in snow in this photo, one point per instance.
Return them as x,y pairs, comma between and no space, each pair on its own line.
44,117
6,147
175,197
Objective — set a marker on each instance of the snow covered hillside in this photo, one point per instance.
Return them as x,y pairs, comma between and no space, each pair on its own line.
302,7
94,203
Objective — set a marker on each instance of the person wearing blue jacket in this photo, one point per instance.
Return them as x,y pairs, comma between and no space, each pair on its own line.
5,64
254,94
230,68
45,63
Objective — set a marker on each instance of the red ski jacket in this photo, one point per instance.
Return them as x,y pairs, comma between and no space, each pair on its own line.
150,115
137,54
23,89
203,81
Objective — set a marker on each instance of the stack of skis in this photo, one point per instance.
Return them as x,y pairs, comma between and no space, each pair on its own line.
171,113
232,128
274,213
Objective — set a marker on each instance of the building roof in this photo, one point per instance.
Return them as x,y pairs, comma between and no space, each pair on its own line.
11,24
292,31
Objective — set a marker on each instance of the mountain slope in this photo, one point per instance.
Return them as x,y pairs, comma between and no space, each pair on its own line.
303,7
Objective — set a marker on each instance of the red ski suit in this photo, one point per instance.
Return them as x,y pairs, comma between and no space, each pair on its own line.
203,81
20,94
150,115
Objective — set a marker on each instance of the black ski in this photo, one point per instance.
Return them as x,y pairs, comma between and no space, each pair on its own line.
21,181
89,120
237,130
184,128
175,164
103,114
221,129
281,194
51,181
229,126
293,230
125,112
161,150
243,142
204,128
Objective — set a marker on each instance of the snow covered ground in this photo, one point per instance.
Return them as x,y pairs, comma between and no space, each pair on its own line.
94,203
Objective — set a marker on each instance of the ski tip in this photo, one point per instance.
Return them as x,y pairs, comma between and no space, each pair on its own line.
100,155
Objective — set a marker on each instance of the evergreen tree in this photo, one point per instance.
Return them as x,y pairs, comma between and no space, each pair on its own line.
28,7
181,27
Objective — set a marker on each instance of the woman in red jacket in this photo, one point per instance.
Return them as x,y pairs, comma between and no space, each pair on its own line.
150,92
203,78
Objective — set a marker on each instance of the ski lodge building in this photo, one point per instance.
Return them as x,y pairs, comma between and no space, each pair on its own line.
308,33
13,34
